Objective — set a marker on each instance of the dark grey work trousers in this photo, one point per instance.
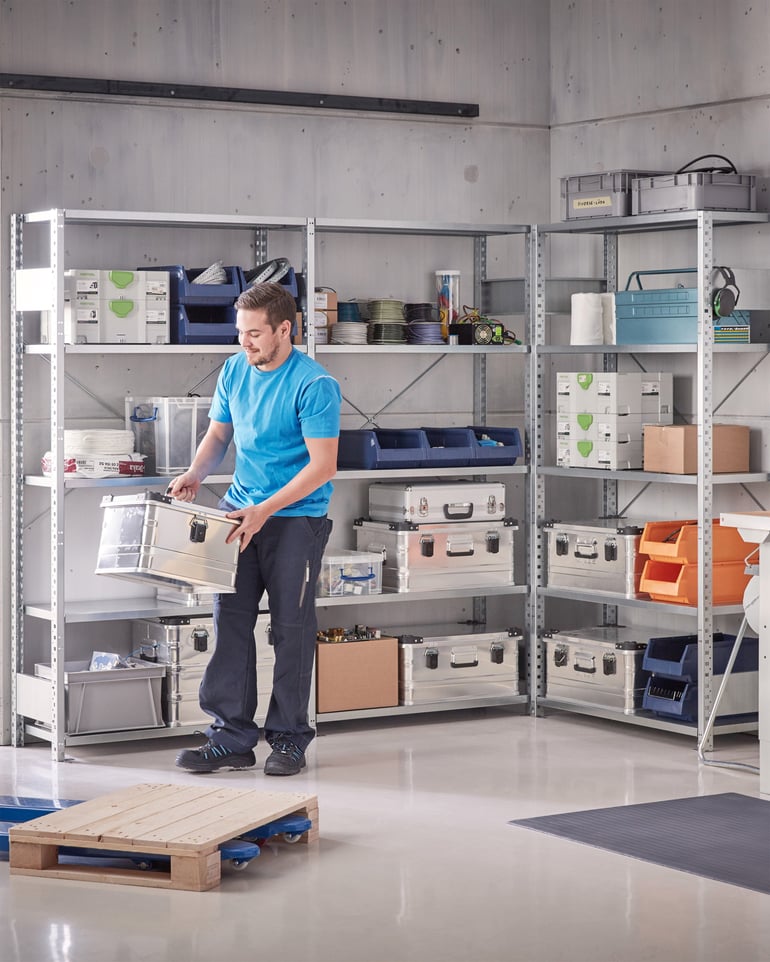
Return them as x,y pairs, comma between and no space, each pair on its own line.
284,560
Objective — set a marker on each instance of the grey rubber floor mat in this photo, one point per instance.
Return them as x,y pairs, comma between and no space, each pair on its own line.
724,837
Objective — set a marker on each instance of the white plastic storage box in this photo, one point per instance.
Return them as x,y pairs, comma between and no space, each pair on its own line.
693,190
168,431
605,194
114,700
350,573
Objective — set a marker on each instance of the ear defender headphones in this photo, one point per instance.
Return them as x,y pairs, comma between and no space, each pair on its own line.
725,298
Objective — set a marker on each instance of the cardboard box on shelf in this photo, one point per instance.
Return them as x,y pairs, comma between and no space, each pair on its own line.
354,675
324,317
325,300
673,448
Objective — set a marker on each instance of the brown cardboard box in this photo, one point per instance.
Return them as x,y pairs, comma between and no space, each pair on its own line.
673,448
325,300
324,317
356,674
298,338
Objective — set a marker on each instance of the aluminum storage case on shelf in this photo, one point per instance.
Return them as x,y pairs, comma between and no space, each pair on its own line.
602,555
453,662
438,501
456,554
184,645
597,666
151,538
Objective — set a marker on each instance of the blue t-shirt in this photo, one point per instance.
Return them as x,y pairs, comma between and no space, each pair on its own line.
272,412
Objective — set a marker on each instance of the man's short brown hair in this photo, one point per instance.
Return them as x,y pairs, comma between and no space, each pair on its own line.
274,299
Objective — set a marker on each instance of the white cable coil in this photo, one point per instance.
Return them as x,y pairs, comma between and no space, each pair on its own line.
95,441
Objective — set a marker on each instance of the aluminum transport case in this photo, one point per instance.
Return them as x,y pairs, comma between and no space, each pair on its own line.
151,538
436,502
184,646
601,554
456,554
597,666
453,662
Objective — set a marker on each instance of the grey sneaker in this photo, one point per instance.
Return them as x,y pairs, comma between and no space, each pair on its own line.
214,758
285,758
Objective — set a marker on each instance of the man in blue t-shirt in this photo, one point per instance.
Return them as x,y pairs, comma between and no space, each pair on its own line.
282,411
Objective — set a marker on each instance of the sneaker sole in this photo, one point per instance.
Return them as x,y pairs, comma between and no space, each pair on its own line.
213,771
293,772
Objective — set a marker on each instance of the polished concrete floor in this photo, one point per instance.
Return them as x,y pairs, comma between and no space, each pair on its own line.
417,861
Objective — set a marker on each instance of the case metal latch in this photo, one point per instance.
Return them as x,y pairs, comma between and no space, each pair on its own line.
562,544
610,550
609,663
200,639
496,653
431,658
198,528
493,542
560,655
426,546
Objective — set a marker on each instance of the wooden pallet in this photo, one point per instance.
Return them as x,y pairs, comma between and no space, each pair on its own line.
184,823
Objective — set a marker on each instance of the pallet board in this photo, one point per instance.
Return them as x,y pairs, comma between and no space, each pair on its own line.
183,823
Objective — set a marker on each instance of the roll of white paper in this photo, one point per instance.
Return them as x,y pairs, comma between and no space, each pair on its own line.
587,325
608,318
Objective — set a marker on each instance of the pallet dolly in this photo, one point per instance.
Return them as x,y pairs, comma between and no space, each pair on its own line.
237,852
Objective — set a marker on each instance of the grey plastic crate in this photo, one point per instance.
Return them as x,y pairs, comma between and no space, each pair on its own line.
116,700
605,194
693,190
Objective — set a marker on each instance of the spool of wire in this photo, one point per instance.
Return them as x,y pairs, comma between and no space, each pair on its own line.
348,332
387,311
424,332
383,332
423,324
348,311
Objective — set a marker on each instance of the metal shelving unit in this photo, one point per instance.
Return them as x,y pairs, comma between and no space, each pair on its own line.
703,223
37,289
42,289
478,235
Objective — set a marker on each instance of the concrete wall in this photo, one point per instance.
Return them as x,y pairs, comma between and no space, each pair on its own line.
105,153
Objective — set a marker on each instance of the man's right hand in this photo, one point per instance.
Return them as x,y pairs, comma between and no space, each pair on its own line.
185,487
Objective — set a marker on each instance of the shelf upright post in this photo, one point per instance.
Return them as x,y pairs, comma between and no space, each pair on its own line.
704,415
479,360
535,293
610,363
17,480
308,271
57,571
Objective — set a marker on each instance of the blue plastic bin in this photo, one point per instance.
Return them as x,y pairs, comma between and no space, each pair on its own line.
197,324
451,447
676,698
184,290
504,445
382,448
677,657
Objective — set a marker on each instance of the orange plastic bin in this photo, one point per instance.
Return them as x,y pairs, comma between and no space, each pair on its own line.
677,542
678,583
